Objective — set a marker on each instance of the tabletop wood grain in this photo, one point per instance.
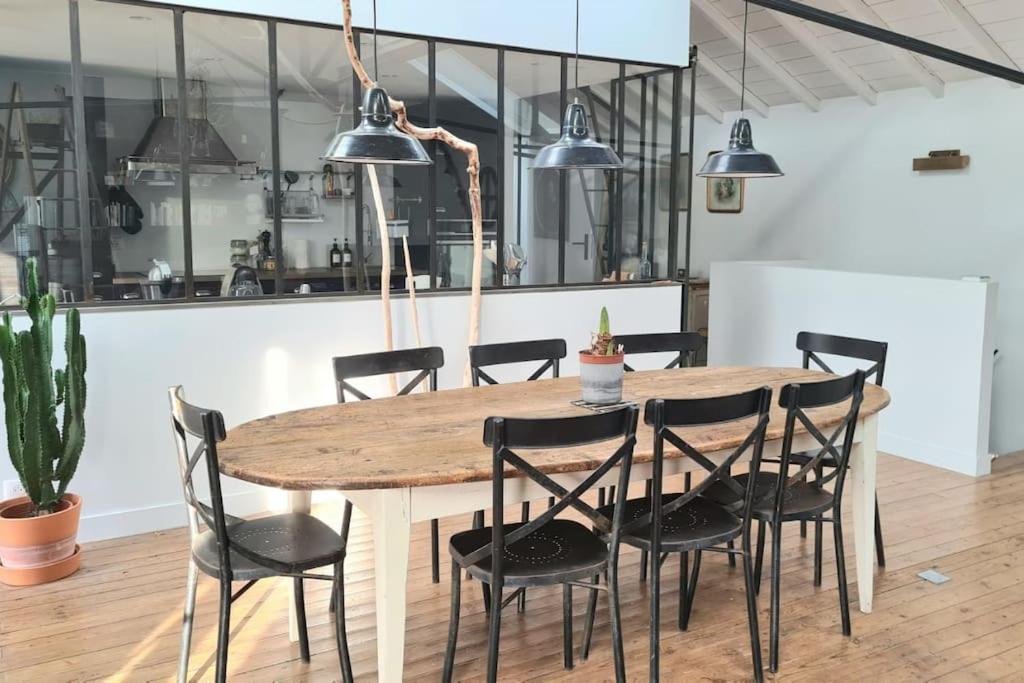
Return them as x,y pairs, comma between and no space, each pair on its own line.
428,439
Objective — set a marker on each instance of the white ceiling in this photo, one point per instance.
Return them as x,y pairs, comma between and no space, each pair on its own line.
807,62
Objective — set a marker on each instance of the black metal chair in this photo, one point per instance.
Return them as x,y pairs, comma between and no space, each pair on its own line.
792,498
687,522
546,551
874,352
425,363
235,549
685,345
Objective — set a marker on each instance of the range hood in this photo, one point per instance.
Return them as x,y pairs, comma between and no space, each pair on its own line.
158,153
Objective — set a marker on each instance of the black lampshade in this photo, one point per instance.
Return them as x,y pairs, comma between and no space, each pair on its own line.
741,160
576,149
376,140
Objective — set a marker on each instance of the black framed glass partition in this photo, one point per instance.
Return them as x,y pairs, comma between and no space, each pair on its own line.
243,204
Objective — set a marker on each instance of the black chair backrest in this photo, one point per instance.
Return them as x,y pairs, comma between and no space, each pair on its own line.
797,399
666,414
505,434
684,344
551,351
207,427
813,344
425,360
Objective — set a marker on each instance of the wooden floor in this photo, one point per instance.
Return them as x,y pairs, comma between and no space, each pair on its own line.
118,618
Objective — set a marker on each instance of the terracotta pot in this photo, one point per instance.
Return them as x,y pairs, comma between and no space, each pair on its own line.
38,549
601,378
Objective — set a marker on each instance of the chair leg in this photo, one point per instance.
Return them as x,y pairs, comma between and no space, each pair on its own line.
485,590
879,545
803,529
755,633
340,633
844,601
435,558
773,655
760,557
616,621
300,616
731,545
684,585
588,625
655,610
567,625
453,623
223,630
648,487
818,532
600,497
494,636
186,621
685,607
521,600
551,502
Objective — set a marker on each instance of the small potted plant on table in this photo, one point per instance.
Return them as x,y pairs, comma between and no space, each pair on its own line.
38,530
601,366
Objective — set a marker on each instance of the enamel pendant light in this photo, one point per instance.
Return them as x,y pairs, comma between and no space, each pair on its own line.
376,140
576,148
741,160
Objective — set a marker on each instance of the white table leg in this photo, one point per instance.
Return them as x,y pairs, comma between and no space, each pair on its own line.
863,462
298,501
392,521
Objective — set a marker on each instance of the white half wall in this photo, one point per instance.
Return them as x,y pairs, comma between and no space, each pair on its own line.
256,359
850,200
939,374
651,31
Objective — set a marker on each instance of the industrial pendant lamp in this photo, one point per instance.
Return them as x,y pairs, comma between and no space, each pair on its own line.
575,148
741,160
376,140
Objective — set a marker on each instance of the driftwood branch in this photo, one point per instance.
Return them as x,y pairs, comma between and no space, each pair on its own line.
385,269
456,143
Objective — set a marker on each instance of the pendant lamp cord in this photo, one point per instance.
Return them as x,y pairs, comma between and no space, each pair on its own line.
376,56
743,70
576,76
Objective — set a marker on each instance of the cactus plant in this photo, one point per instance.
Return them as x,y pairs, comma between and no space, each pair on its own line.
44,454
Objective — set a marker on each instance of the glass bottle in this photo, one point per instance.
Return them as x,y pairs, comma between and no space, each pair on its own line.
643,268
346,254
328,181
335,255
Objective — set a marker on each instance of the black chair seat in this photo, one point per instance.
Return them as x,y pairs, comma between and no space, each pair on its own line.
698,524
561,550
802,501
292,542
828,460
723,495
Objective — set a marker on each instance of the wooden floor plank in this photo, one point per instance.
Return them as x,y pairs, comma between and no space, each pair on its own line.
118,618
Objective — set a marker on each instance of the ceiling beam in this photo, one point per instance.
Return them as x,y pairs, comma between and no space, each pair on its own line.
833,62
729,81
727,28
935,85
965,20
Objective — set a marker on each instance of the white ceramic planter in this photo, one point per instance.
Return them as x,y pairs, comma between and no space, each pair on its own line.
601,378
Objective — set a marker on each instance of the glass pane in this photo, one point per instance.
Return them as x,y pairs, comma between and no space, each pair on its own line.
590,210
532,120
38,202
314,80
648,143
467,105
131,91
226,66
404,189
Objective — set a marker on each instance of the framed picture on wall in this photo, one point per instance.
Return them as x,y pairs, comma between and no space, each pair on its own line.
725,195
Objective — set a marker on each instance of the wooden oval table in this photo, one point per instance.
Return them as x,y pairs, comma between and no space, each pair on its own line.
413,458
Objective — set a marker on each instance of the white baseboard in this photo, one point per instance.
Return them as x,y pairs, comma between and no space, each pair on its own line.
931,454
133,521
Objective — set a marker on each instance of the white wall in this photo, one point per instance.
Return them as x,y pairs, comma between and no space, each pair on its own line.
850,200
651,31
257,359
939,375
